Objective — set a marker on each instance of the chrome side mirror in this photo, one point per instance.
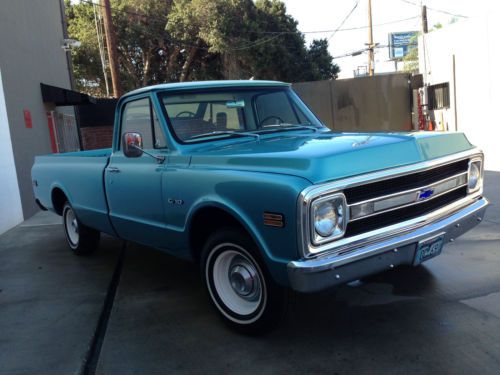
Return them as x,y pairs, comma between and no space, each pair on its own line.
132,144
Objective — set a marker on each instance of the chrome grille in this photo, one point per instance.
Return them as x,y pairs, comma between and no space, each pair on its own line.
390,201
410,181
405,213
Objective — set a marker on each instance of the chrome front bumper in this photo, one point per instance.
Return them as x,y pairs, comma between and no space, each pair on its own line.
319,273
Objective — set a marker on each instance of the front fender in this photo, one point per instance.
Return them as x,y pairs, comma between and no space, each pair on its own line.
245,196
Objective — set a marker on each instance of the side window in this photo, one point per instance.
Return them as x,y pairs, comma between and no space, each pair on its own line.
274,108
139,116
136,117
302,118
160,141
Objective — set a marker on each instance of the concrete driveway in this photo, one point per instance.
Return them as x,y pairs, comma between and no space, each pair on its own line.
132,309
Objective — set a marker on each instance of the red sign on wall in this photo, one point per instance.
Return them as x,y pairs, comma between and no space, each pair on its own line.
27,118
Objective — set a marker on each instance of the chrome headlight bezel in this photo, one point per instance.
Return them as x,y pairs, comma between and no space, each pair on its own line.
476,162
338,201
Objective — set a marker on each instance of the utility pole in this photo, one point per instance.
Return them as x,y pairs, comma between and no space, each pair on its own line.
112,51
424,20
424,108
370,40
101,47
425,30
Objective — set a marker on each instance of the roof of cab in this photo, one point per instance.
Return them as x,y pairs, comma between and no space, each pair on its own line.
207,85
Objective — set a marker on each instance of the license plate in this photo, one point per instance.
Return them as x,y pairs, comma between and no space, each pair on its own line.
428,249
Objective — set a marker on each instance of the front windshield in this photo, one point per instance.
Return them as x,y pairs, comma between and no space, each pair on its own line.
196,117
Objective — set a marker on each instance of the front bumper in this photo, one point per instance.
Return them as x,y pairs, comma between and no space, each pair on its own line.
312,275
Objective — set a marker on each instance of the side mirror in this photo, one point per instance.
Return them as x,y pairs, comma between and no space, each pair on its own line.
132,145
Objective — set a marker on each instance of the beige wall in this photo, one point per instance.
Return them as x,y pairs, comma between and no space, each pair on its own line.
379,103
31,34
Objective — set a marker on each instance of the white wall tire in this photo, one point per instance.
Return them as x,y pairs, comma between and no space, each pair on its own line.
238,283
81,239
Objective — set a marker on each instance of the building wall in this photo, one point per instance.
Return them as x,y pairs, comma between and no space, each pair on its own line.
31,35
472,44
379,103
11,213
97,137
96,123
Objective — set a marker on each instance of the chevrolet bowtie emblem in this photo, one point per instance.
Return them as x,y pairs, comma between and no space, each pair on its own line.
425,194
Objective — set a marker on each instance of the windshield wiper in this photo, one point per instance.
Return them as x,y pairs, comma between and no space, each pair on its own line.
226,132
291,126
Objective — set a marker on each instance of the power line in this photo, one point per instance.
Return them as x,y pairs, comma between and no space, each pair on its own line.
378,46
256,43
435,10
164,20
337,30
125,11
344,20
366,26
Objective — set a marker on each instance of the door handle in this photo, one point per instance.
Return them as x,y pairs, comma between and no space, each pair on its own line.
113,170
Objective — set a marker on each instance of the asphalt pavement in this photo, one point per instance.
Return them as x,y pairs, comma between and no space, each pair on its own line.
130,309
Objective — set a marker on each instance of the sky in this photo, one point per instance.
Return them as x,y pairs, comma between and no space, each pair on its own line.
319,15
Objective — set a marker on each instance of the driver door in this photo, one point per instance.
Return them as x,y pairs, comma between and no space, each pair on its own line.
134,185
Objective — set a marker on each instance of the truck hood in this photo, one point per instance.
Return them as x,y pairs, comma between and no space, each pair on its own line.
326,156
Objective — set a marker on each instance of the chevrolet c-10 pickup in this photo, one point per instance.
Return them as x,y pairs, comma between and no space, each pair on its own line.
242,178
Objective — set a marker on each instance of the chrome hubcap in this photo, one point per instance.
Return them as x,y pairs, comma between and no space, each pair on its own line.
72,227
238,282
243,280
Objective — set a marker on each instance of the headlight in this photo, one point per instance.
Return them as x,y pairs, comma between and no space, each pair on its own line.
328,216
325,219
474,175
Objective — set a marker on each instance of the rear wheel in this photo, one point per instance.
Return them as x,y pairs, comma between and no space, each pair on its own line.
239,285
81,239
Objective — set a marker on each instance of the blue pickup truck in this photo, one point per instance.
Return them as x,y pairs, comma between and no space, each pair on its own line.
242,178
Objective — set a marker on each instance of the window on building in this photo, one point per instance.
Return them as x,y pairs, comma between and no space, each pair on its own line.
439,96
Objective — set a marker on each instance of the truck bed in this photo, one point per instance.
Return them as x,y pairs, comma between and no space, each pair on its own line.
80,176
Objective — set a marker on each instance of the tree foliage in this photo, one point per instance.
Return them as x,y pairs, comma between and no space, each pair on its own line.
178,40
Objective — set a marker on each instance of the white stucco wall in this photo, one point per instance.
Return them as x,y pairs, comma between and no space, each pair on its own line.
474,43
11,212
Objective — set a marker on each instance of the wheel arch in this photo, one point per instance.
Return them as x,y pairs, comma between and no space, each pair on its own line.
58,197
209,217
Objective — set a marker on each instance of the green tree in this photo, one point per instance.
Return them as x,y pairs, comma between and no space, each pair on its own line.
321,61
178,40
146,53
87,67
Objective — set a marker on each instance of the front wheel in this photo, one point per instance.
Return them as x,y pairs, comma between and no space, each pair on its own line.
239,285
81,239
